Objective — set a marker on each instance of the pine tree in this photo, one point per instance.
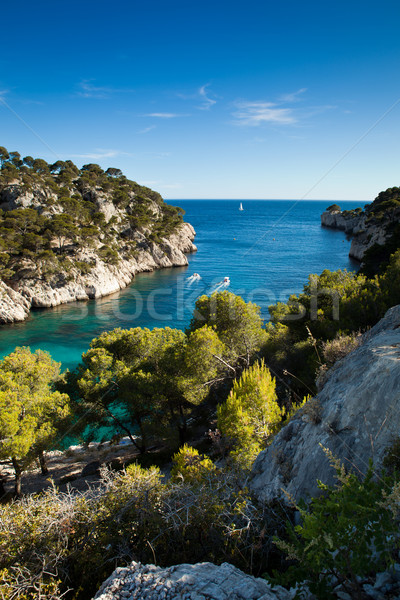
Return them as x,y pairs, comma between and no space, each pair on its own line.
251,413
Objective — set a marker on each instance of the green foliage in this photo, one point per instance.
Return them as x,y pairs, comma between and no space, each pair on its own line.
189,466
237,323
67,215
332,305
334,208
134,515
109,255
156,376
251,413
348,532
31,412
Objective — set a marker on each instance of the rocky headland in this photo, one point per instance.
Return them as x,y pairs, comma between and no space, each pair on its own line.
70,235
372,229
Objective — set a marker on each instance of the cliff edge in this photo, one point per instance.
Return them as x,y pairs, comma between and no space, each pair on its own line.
375,231
71,234
356,416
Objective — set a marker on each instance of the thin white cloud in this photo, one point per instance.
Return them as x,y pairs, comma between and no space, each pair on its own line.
201,94
89,90
207,101
100,154
257,113
294,96
3,93
162,115
147,129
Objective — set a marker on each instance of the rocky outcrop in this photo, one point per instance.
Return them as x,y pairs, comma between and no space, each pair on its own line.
203,581
362,227
81,271
337,219
356,416
33,291
13,305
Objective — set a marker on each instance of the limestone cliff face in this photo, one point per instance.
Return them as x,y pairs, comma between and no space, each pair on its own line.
356,416
33,286
104,279
340,220
364,230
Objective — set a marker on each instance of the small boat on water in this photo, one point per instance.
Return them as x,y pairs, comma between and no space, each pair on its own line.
226,280
241,207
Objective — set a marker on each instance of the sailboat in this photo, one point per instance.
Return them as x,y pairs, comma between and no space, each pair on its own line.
241,207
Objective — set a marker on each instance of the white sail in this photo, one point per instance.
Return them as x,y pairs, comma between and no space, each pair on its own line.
241,207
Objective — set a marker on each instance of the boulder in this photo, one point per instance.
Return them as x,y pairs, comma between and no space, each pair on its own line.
202,581
356,416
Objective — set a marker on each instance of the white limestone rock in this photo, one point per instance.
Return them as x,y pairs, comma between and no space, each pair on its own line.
359,418
13,306
104,279
202,581
365,231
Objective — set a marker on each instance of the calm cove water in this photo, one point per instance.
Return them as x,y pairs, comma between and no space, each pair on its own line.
267,251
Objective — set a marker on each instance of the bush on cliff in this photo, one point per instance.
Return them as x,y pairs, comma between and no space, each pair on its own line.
346,534
331,305
250,414
58,541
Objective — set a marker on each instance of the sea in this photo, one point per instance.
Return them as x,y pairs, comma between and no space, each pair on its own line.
267,251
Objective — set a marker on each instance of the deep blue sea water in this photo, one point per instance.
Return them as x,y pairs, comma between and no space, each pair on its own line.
267,250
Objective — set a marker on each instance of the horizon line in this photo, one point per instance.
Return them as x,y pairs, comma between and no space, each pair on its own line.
270,199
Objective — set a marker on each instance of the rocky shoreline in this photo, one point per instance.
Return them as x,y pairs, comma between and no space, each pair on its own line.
364,231
104,279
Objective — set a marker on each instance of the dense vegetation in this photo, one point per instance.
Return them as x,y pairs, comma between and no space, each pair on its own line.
60,210
229,372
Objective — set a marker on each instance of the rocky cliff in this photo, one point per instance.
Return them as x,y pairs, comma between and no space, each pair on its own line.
365,233
371,229
69,235
356,416
17,299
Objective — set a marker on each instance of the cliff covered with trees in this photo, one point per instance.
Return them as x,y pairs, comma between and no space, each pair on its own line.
375,231
73,234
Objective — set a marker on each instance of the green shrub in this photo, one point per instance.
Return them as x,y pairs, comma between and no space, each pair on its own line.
347,533
134,515
190,466
251,413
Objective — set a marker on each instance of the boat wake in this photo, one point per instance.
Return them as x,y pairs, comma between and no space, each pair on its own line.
221,285
193,279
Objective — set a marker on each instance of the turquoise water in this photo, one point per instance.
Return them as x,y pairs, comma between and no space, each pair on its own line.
267,251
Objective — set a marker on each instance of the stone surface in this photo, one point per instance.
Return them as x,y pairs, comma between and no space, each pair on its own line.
359,418
13,305
104,279
202,581
365,231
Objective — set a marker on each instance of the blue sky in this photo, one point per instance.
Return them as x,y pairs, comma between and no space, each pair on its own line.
272,99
